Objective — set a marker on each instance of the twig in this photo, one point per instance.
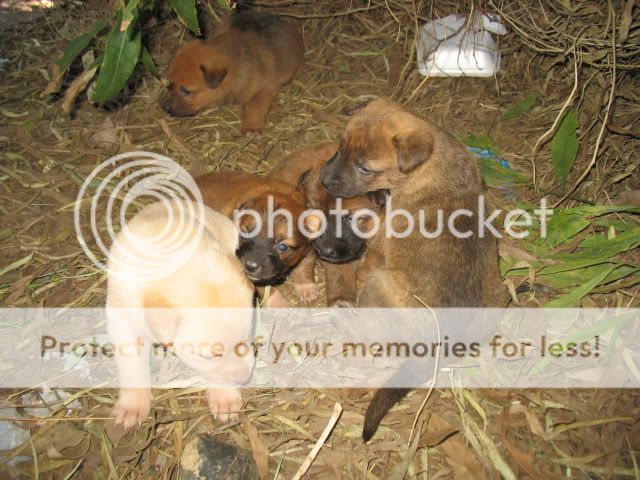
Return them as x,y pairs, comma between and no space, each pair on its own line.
555,124
604,120
435,372
337,411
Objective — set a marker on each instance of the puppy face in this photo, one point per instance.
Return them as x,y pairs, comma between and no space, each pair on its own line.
343,240
381,146
197,74
267,256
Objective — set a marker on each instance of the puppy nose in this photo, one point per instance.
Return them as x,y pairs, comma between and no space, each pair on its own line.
328,251
166,106
251,266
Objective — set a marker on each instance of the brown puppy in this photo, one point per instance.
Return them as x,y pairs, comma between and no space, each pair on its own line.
339,245
267,256
425,169
250,56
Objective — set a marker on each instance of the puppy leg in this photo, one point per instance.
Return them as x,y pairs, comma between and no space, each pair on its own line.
254,112
132,355
387,288
224,402
303,279
341,284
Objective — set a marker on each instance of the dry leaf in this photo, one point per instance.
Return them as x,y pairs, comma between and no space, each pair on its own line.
258,448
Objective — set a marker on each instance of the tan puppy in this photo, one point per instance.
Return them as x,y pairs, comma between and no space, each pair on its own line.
339,246
425,169
267,257
251,55
198,270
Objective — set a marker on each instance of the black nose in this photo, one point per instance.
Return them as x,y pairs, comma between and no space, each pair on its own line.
251,266
328,251
166,107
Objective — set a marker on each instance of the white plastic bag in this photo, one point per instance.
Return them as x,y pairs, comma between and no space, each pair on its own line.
454,46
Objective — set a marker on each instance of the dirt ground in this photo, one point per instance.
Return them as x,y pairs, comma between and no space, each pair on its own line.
350,56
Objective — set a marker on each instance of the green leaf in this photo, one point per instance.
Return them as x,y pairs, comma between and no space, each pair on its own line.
148,62
186,11
120,59
564,147
480,141
495,174
562,227
573,297
520,107
78,44
128,14
224,4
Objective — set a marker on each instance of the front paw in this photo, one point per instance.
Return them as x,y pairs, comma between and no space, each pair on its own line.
224,402
133,406
306,291
252,132
341,303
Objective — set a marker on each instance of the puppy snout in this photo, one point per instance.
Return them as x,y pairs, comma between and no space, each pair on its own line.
166,106
328,251
251,267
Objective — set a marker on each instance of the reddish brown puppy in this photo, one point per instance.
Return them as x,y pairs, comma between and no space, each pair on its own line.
429,174
272,242
251,55
340,245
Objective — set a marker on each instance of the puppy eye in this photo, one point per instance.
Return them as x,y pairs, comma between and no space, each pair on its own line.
282,247
364,170
185,91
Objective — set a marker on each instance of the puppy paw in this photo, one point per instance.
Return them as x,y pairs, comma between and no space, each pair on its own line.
224,402
133,406
306,291
341,303
251,132
276,300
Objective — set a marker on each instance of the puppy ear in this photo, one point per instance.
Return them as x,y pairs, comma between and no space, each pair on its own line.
303,180
212,77
413,149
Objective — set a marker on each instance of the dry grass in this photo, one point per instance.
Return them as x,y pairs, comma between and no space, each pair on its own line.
354,50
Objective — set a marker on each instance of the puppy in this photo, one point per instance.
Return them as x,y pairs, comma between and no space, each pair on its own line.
386,147
198,270
251,55
267,257
340,243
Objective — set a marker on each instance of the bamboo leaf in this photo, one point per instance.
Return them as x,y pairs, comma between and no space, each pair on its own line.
564,146
77,45
186,11
147,61
120,59
522,106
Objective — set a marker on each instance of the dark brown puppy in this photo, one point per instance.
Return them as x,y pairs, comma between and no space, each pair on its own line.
251,55
386,147
267,257
339,246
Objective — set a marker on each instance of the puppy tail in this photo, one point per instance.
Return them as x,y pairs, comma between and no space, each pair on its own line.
383,400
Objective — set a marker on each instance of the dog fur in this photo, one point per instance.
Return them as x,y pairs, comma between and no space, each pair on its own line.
385,146
337,253
250,56
210,277
267,260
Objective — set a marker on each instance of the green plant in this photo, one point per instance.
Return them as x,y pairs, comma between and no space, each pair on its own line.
117,50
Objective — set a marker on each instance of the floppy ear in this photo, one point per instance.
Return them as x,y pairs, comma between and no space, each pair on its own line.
213,78
413,149
303,180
